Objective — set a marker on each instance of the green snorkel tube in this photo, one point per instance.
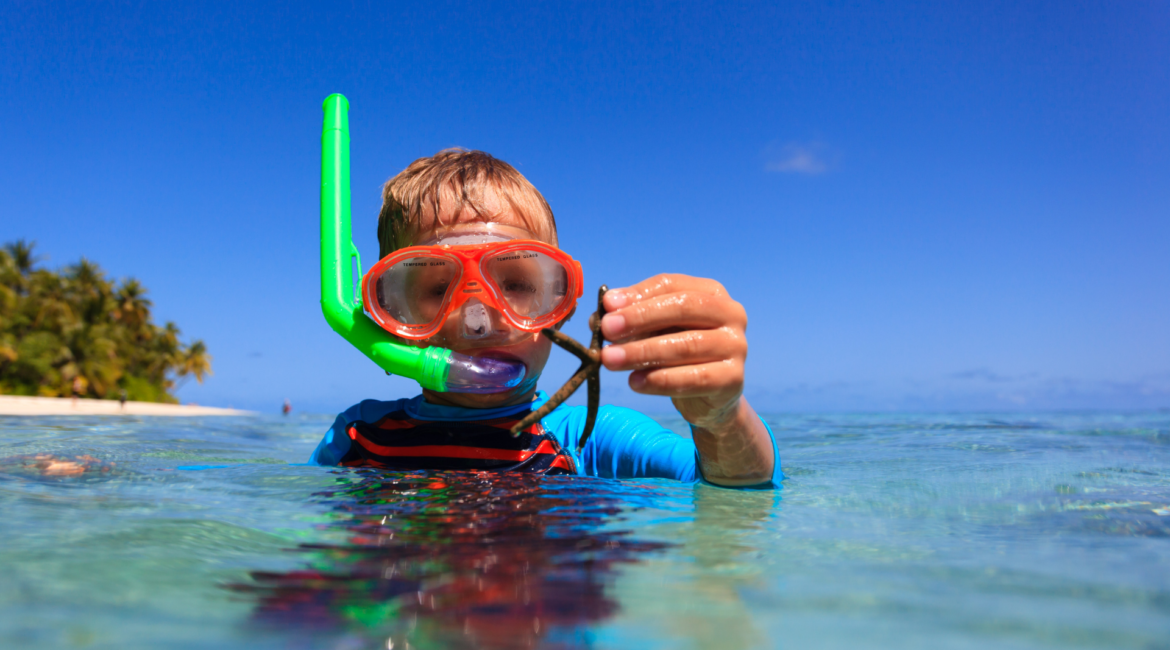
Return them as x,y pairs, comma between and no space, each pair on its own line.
435,368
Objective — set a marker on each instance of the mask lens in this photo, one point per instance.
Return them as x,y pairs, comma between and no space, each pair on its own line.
413,290
533,283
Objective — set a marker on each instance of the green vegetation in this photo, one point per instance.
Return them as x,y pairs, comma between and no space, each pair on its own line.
77,329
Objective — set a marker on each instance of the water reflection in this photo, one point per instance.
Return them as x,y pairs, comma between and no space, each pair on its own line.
700,594
458,559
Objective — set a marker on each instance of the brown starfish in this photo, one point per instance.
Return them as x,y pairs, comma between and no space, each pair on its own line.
590,370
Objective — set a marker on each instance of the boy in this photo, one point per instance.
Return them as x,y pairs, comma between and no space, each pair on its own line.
682,337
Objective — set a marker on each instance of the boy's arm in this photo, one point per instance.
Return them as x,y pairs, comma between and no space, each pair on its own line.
684,338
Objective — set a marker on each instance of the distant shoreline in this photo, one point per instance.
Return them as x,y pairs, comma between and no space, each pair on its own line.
19,405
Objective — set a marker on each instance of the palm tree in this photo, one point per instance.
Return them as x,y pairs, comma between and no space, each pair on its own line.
133,307
85,275
54,311
22,255
22,261
195,363
75,324
9,281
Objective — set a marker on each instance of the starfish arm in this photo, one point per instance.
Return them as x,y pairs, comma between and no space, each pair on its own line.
591,413
571,386
554,401
595,320
590,370
568,343
533,417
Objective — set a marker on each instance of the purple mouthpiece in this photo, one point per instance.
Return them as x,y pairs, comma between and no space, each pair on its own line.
482,374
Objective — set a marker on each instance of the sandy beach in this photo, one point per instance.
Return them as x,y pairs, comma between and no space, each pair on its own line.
15,405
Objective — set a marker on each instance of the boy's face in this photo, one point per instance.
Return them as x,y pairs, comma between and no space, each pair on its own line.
532,349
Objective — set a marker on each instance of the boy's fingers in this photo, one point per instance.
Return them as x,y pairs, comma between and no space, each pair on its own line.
659,285
700,380
686,310
689,347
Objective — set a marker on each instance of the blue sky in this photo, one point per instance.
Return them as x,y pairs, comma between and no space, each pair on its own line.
921,205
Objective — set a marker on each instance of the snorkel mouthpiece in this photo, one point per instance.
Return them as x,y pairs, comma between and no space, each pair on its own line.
435,368
481,374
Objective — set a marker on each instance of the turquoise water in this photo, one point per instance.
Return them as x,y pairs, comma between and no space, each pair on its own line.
901,531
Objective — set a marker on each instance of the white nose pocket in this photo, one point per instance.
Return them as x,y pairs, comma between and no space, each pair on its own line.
477,323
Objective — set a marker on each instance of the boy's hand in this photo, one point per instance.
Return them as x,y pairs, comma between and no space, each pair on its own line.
684,338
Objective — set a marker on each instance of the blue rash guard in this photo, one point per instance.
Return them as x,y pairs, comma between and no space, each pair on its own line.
624,444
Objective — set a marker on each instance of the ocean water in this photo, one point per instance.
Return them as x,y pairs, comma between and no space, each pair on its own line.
893,530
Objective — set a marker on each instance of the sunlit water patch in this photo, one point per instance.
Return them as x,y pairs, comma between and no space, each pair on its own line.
1005,531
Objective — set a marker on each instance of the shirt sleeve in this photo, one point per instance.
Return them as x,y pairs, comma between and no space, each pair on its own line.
628,444
624,444
335,444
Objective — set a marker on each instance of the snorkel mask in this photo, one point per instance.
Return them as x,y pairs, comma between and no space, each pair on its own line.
435,368
476,289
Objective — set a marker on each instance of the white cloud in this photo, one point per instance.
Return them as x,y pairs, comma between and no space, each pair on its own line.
796,158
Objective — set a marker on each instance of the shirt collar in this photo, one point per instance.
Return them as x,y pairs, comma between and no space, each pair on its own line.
419,409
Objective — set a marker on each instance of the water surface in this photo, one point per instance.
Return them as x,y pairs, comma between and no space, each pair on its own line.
897,530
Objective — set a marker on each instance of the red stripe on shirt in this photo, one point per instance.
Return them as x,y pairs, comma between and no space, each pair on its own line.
451,451
563,463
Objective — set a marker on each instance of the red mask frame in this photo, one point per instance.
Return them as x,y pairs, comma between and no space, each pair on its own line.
472,280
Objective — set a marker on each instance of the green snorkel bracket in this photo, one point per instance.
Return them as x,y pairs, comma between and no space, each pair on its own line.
435,368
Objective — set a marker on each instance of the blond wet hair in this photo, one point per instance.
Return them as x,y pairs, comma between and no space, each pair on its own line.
451,182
